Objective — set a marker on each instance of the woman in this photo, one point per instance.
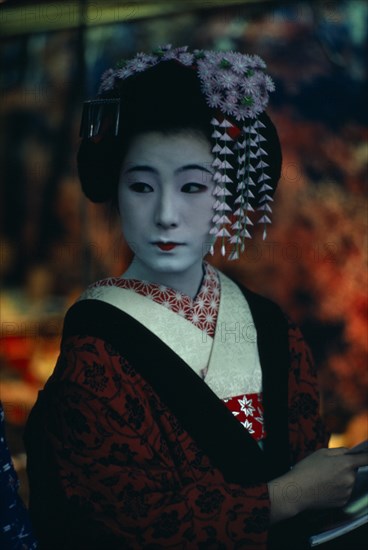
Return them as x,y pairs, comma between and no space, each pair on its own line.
183,406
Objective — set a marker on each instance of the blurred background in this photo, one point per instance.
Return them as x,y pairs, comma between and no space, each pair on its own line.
53,243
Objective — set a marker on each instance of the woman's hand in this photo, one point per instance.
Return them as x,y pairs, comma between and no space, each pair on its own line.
324,479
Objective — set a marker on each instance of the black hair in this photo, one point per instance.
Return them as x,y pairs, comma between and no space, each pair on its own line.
166,98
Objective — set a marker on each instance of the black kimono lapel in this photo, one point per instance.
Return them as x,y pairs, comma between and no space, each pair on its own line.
273,347
201,413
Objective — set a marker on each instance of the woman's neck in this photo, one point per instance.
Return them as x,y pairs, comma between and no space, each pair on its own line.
187,282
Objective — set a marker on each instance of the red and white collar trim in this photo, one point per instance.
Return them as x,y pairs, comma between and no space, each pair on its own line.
202,311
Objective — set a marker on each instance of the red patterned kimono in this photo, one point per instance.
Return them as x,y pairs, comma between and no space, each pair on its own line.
129,448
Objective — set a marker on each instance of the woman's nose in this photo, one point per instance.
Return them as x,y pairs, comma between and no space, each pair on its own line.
166,214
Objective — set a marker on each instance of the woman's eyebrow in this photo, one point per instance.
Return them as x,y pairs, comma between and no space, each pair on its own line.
140,168
145,168
204,167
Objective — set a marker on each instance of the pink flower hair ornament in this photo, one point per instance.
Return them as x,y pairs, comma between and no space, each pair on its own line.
237,89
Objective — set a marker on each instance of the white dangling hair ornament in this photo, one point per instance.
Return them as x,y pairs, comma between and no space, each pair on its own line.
249,160
264,189
221,164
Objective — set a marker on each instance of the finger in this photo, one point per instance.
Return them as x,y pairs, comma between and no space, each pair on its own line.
336,451
358,460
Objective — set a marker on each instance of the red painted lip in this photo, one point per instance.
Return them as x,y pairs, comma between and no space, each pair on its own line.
166,246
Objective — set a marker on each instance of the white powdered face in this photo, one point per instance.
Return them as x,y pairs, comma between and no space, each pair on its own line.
166,206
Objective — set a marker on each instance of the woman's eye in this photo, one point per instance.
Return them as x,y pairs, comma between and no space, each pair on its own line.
140,187
194,188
